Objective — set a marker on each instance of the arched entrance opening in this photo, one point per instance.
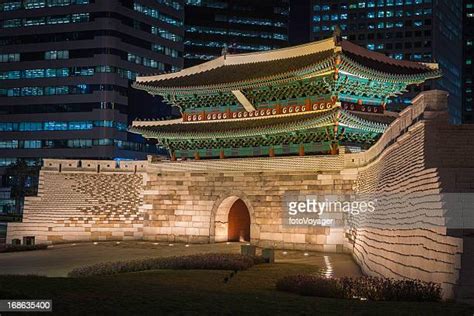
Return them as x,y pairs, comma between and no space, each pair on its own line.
239,222
232,220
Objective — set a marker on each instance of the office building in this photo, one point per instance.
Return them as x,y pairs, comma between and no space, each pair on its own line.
468,57
415,30
65,72
66,68
236,26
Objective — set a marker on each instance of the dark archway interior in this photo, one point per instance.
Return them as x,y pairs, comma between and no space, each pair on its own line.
239,222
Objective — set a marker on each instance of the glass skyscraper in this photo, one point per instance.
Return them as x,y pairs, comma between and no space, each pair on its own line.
468,57
65,73
239,25
417,30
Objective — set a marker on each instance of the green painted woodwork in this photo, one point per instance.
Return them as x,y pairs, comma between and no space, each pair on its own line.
353,82
260,151
334,78
284,138
347,88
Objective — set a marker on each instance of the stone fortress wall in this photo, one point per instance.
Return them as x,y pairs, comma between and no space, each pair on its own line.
84,200
407,236
189,201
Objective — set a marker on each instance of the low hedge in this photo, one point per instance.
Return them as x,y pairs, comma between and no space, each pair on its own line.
14,248
386,289
310,285
371,288
211,261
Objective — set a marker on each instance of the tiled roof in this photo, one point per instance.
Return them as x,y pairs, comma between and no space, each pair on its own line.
381,62
242,72
233,125
237,68
259,126
379,118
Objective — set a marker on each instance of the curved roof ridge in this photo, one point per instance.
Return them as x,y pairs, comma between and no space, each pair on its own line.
214,63
247,58
281,53
360,51
238,69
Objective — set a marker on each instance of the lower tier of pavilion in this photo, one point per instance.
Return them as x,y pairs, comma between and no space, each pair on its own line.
301,133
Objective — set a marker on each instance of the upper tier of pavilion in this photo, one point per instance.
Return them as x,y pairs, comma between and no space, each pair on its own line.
319,70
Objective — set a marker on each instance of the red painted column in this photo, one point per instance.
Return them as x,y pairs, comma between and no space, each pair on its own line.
271,152
301,152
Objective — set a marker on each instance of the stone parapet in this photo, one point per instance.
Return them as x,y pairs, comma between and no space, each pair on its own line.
95,166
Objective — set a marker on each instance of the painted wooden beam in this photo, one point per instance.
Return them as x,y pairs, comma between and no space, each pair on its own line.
248,106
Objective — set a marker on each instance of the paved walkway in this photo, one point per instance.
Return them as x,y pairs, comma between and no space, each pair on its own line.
60,259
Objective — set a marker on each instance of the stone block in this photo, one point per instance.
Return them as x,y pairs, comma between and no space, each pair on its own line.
248,250
268,255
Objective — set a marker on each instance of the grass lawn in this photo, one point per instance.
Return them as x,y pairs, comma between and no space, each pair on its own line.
196,292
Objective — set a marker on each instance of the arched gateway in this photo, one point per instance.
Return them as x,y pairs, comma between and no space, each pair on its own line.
231,220
239,222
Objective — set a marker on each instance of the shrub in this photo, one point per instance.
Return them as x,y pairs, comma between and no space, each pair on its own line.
372,288
13,248
385,289
211,261
310,285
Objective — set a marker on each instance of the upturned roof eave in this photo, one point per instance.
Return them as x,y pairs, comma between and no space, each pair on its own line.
291,76
328,118
248,58
237,85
